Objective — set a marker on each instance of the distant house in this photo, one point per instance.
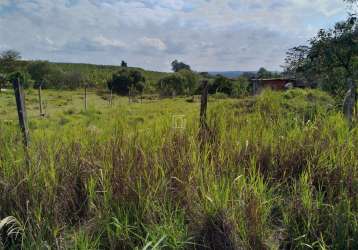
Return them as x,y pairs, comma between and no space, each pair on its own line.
276,84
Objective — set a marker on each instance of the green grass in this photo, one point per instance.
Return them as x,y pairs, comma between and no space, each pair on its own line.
278,171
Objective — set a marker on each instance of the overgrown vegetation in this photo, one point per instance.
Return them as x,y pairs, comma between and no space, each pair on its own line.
280,172
121,80
330,59
65,75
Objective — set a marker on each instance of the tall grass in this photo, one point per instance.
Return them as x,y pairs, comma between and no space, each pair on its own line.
279,172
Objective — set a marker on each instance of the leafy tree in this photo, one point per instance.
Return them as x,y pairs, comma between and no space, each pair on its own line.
39,72
264,73
8,60
126,79
241,87
330,58
173,84
56,79
16,76
205,74
59,79
23,77
297,63
177,66
221,84
75,79
139,87
230,87
336,47
191,81
2,81
249,75
124,64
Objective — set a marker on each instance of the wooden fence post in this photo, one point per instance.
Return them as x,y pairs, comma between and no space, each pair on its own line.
111,98
86,97
130,94
349,101
40,100
2,78
21,111
204,105
255,86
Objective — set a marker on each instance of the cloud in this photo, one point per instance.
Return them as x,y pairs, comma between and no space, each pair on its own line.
153,43
106,42
207,34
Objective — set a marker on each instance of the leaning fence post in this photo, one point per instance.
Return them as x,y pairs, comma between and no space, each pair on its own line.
21,111
204,105
40,99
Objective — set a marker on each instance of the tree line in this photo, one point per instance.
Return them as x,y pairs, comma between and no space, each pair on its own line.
121,80
183,81
329,59
51,75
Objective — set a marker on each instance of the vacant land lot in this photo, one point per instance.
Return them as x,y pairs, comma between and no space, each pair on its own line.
279,170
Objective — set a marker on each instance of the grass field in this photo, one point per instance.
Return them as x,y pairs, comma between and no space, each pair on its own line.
278,171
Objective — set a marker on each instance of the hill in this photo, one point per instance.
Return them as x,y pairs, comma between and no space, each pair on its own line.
97,74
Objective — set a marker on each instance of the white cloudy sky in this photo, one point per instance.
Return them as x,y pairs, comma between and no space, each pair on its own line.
207,34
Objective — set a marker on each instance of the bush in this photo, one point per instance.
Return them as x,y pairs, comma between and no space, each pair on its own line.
219,95
233,88
172,85
23,77
125,80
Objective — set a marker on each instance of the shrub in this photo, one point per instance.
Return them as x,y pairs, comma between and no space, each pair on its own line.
125,80
171,85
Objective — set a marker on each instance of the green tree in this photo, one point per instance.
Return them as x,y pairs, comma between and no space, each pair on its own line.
177,66
264,73
230,87
56,78
77,79
330,58
8,60
23,77
124,64
173,84
241,87
2,81
39,72
191,81
221,84
297,63
126,79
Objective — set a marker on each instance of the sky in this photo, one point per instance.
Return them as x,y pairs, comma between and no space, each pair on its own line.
209,35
